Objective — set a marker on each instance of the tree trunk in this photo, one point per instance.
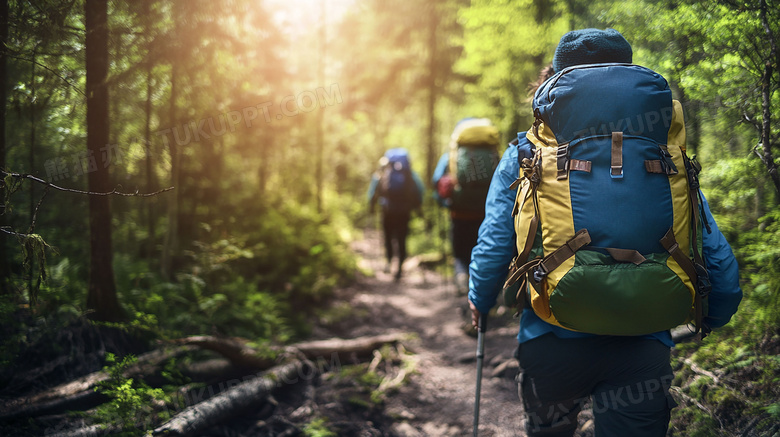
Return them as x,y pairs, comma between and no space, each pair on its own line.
101,290
171,242
766,131
320,112
5,270
31,169
430,157
766,93
150,180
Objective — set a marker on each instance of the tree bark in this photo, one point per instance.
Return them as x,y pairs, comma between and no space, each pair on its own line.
150,179
5,270
766,94
101,289
171,240
320,134
766,131
430,156
235,400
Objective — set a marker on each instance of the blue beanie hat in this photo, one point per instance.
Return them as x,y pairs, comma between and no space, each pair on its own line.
591,46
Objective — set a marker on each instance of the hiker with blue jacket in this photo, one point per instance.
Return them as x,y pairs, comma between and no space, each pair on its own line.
626,376
398,190
461,181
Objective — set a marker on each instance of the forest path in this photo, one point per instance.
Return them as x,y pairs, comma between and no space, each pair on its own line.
438,399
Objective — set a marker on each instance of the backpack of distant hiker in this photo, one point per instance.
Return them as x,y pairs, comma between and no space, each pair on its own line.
473,157
397,187
607,212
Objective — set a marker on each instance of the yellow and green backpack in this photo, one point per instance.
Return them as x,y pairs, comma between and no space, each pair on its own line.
473,157
607,213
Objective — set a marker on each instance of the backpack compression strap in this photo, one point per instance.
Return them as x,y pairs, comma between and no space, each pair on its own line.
695,269
543,266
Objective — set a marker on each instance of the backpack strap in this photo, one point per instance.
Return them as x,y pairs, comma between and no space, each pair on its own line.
694,268
542,266
616,168
530,172
579,165
552,261
626,255
665,165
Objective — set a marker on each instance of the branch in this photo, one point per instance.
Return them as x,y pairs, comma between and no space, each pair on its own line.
678,391
89,193
699,371
746,118
7,230
47,68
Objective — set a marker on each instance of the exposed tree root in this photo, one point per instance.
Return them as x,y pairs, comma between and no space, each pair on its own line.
80,394
235,400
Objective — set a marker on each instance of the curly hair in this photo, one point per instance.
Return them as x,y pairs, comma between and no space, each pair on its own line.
545,73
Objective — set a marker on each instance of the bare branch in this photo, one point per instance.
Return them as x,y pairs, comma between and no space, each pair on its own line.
113,192
7,230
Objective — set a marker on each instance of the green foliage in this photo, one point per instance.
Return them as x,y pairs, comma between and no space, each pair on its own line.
318,428
131,401
34,250
505,46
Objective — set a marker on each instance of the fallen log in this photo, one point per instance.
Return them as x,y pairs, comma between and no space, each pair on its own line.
80,393
239,352
361,347
234,401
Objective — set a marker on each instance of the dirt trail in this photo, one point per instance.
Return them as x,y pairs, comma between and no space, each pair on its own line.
439,398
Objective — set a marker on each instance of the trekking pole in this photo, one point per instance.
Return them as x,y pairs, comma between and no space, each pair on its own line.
444,231
482,326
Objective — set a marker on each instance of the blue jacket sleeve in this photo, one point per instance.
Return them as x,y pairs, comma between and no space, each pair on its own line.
442,168
372,189
724,273
495,247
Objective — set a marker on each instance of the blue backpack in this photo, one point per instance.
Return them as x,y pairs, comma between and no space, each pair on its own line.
397,187
607,213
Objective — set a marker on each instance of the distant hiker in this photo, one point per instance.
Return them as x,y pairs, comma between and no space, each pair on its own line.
461,181
602,210
399,191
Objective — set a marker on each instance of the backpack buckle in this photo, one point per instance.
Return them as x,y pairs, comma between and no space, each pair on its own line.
616,172
703,283
540,272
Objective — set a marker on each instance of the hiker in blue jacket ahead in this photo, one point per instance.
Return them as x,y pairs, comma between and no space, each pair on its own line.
626,377
399,190
472,155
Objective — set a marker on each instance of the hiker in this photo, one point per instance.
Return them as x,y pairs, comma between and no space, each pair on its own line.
627,377
399,191
461,181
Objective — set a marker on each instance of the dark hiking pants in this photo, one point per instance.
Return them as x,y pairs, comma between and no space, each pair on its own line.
396,228
626,378
464,238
